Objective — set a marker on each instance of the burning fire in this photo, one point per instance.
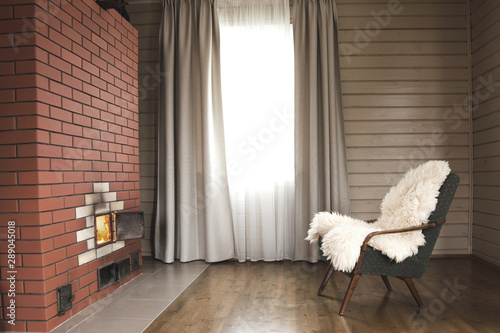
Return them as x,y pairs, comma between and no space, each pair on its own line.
103,227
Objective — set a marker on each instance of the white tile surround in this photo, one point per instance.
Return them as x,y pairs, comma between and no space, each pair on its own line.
102,201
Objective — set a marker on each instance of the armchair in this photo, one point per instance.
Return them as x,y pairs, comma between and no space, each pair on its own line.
374,262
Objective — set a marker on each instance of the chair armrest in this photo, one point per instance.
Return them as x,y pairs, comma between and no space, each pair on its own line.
401,230
392,231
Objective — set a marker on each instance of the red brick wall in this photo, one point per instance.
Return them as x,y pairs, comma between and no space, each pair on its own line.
68,118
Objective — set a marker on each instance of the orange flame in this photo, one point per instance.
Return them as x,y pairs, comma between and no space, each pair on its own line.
103,227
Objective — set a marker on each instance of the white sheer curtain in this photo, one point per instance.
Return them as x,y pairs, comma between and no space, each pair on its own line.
257,75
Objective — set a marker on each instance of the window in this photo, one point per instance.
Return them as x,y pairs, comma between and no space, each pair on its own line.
258,92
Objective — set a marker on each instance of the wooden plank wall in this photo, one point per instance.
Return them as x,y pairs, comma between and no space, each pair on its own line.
485,28
404,65
146,18
401,76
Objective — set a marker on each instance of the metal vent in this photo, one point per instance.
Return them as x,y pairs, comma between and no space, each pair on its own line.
123,269
106,275
135,260
65,299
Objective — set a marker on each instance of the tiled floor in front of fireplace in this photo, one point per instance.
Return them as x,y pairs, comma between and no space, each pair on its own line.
134,306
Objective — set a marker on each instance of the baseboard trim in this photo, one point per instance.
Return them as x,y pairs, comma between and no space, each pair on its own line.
487,263
449,255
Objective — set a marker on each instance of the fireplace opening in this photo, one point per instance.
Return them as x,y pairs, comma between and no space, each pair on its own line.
113,227
103,229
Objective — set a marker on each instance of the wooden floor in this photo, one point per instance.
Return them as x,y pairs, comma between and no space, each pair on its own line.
460,294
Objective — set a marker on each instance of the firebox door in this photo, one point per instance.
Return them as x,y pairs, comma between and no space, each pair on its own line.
113,227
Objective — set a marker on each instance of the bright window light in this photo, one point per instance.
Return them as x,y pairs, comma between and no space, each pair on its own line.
257,92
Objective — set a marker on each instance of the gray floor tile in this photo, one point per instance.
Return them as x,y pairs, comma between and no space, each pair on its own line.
112,325
153,292
134,306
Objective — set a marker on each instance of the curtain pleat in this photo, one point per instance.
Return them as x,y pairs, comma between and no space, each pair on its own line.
257,75
193,219
320,158
194,215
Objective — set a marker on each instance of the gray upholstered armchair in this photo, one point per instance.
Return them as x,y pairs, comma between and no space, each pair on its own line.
372,261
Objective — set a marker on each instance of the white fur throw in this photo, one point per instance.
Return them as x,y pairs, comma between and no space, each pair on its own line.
407,204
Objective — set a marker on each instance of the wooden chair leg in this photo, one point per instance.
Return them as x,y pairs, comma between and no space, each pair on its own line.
386,281
348,294
327,277
414,292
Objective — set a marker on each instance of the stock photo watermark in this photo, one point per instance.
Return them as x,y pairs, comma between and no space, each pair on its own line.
249,149
30,27
419,320
456,116
150,81
11,272
363,37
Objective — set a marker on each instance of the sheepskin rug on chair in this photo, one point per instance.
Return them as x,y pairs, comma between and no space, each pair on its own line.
407,204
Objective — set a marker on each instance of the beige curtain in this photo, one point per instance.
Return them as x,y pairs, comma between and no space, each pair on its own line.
193,214
320,159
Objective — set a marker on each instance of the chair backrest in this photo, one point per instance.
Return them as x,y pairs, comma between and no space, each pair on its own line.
446,193
411,201
374,262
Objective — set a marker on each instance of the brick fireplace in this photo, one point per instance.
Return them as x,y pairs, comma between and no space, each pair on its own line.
68,150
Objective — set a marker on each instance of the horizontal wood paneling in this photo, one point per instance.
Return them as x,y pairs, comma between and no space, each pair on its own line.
486,164
405,61
369,179
410,153
485,32
146,18
401,88
406,87
399,74
401,100
393,127
379,191
486,220
403,2
397,140
415,8
433,22
351,47
412,35
374,166
409,113
403,85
